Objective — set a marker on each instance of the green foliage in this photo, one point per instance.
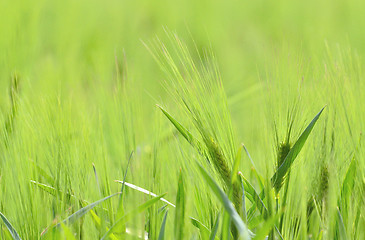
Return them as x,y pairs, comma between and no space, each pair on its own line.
78,95
11,229
161,235
228,206
278,178
180,209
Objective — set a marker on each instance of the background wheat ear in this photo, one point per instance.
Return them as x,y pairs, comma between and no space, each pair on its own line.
279,176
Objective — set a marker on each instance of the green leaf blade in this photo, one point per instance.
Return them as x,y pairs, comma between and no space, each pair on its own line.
161,235
278,178
228,205
10,227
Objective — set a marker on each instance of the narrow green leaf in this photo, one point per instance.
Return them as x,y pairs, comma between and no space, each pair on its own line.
49,189
320,235
97,222
236,164
215,229
11,229
53,191
226,226
349,181
180,209
131,214
67,232
204,231
341,226
145,191
244,212
120,208
78,214
161,235
222,197
278,177
96,179
253,169
249,156
255,198
43,173
267,227
186,134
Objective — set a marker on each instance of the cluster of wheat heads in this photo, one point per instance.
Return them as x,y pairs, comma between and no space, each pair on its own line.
195,83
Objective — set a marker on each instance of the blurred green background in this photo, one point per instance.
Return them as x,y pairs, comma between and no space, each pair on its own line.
67,45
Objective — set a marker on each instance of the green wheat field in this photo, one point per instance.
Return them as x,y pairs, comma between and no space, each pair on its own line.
196,119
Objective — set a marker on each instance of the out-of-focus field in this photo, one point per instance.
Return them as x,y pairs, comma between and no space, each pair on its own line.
78,94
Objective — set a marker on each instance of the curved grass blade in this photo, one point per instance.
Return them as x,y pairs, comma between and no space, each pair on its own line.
262,233
254,196
142,190
204,231
161,235
132,213
215,229
96,179
278,178
253,168
51,190
244,212
42,172
186,134
67,232
180,209
78,214
236,165
11,229
341,226
348,182
120,208
226,226
248,155
97,221
54,192
320,235
236,219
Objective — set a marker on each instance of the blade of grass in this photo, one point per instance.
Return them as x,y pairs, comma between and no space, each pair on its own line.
236,165
120,209
11,229
180,209
320,235
244,212
248,155
214,229
204,231
226,226
161,235
78,214
142,190
96,178
267,227
341,226
278,178
186,134
131,214
67,232
255,198
222,197
42,172
97,222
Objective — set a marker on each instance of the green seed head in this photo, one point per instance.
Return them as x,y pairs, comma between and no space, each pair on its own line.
283,150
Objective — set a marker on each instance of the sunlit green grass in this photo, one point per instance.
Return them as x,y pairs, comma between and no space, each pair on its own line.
197,104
